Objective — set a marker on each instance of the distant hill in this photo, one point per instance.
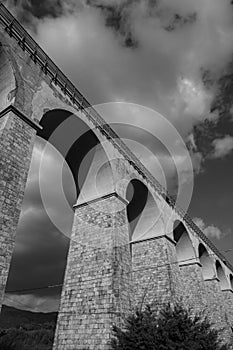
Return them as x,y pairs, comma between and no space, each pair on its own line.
14,318
20,329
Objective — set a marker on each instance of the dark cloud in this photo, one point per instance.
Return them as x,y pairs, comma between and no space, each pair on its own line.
40,9
177,21
117,18
27,9
223,101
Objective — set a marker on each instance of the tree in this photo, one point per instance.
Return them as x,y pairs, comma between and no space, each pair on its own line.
18,339
173,328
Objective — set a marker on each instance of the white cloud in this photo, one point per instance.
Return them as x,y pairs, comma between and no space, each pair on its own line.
222,147
210,231
32,302
163,72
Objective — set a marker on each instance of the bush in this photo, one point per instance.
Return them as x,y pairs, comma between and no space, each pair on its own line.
174,328
18,339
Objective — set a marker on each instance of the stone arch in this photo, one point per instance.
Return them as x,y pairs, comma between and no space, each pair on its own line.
142,211
82,150
221,276
104,174
206,262
184,247
57,124
7,80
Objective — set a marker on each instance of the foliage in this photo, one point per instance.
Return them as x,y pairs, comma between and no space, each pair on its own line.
173,328
18,339
25,330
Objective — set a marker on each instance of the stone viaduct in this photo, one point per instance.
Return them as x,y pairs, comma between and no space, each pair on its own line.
110,268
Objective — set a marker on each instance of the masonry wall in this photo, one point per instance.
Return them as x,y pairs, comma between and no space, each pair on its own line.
216,308
16,143
155,272
97,285
193,288
228,301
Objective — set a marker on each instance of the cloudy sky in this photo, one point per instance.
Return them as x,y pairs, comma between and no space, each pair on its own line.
171,56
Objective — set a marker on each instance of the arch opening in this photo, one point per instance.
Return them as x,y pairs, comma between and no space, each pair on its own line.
221,276
42,241
184,248
142,212
206,262
76,142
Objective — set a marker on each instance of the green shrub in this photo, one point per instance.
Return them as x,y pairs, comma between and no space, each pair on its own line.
174,328
20,339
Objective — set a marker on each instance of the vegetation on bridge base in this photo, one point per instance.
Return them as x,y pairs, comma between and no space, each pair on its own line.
174,328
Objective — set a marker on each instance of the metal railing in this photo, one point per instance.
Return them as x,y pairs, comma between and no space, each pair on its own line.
37,54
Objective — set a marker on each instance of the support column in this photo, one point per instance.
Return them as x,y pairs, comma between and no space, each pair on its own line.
155,271
97,280
228,300
193,285
216,307
17,136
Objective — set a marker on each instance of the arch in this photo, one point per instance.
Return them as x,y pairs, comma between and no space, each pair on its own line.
184,248
142,211
80,147
221,276
7,81
104,174
206,262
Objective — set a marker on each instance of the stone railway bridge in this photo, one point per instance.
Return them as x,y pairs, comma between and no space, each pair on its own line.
109,270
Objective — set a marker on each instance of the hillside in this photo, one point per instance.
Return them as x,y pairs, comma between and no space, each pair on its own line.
20,329
14,318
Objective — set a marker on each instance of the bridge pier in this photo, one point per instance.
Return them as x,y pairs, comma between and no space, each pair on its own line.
193,284
216,307
98,276
17,136
155,271
228,301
